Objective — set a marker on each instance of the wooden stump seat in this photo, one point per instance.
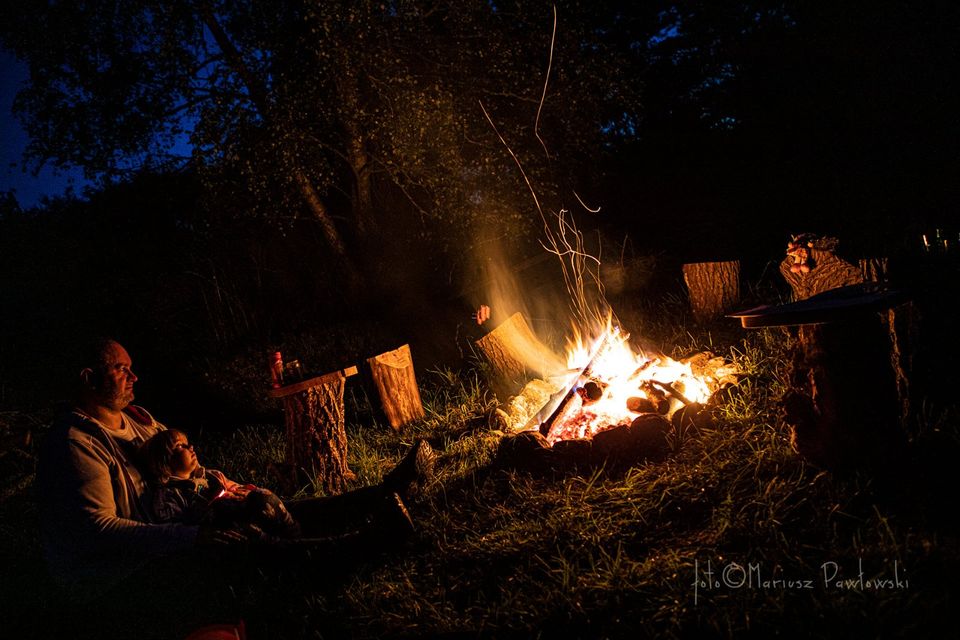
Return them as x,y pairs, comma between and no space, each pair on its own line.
511,351
844,405
713,287
393,378
316,437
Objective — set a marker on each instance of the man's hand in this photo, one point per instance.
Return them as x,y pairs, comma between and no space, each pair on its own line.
210,536
482,314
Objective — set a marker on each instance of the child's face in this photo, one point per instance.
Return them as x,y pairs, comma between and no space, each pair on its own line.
184,460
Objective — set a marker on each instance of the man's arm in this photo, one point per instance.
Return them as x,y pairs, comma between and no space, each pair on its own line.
81,508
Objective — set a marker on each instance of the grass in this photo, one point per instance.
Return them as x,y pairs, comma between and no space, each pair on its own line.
611,552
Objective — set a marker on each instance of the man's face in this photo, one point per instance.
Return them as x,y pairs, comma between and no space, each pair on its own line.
112,385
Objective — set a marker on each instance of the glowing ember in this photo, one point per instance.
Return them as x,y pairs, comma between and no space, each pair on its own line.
617,385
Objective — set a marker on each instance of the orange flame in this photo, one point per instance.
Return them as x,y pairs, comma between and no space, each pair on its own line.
618,373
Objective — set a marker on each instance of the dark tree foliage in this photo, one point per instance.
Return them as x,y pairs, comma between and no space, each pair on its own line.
328,129
290,104
767,118
138,261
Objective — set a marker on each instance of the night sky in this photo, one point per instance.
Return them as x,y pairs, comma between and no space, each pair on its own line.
29,189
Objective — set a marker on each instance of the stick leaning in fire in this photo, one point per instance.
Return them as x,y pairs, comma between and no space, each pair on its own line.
669,389
554,406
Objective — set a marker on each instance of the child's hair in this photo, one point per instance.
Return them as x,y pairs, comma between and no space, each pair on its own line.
156,454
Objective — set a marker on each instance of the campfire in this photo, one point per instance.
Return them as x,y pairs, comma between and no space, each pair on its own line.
613,386
603,395
607,386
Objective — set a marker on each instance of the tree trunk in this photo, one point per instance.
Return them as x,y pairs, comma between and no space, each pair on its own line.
259,96
316,438
362,183
396,384
357,155
319,211
714,288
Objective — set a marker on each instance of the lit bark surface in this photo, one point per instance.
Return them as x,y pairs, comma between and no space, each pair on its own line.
393,376
714,288
827,271
504,350
316,438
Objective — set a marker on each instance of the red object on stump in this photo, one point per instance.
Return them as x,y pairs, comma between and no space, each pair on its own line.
276,370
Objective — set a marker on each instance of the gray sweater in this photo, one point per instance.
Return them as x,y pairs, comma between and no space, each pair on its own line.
94,522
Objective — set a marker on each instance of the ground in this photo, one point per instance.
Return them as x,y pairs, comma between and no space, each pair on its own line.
732,535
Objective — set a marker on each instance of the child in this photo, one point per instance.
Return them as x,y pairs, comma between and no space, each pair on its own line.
183,491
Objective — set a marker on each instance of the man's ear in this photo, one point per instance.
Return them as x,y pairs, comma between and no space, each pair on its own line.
88,378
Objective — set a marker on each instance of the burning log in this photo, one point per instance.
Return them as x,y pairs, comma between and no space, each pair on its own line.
657,396
643,439
641,405
671,390
523,411
561,408
591,391
566,412
714,288
393,378
596,402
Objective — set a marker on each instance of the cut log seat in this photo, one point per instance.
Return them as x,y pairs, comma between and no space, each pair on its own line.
395,383
316,438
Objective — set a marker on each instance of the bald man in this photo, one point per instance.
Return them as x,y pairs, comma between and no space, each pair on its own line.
95,527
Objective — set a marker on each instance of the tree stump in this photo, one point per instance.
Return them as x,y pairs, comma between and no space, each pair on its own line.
901,325
874,269
316,437
714,288
393,377
843,406
812,267
847,388
512,350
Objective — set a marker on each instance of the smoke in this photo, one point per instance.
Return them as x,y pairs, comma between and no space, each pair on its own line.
532,286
